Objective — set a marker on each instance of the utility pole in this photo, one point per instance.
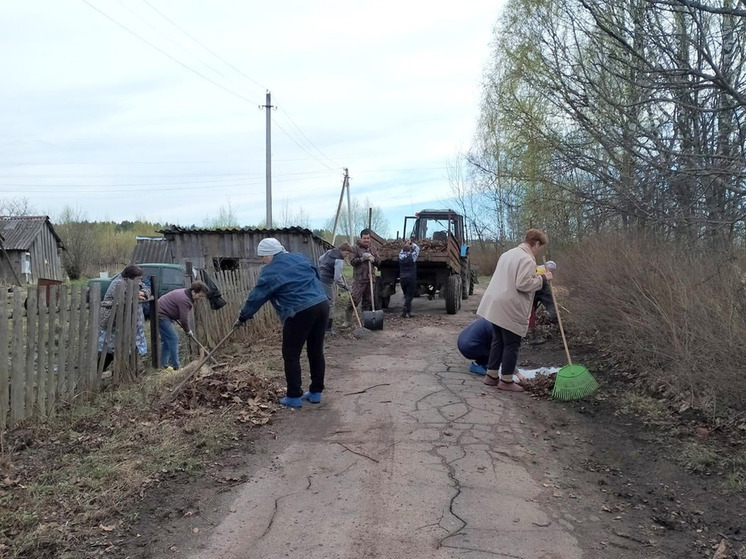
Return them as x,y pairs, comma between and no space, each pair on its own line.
351,233
345,185
268,108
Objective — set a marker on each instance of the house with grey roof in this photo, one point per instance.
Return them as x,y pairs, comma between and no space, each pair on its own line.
29,251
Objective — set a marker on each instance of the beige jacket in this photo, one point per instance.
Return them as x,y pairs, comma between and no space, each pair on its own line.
507,299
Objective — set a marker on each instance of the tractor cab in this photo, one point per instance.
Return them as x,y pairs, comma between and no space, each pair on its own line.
436,226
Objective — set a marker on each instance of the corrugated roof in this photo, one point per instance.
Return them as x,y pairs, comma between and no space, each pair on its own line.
179,229
149,249
176,229
19,232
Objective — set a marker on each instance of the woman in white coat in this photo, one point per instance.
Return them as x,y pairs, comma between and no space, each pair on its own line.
507,305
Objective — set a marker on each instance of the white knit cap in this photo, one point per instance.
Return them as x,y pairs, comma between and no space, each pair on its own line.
269,247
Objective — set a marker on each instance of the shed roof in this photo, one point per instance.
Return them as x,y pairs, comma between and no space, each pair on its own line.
19,232
151,249
176,229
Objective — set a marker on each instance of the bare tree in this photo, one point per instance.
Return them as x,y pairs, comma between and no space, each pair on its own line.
16,207
360,213
290,218
82,248
621,113
225,219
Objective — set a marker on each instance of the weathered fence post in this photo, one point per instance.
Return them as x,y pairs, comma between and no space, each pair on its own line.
18,363
155,338
52,291
64,346
92,354
4,369
32,317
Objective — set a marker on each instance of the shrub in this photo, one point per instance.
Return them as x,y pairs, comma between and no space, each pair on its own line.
675,314
483,257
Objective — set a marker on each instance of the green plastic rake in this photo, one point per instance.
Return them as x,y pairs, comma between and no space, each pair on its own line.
573,381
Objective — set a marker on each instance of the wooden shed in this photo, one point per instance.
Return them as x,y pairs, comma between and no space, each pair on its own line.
232,249
30,250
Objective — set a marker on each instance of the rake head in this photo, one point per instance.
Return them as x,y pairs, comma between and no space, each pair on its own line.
573,382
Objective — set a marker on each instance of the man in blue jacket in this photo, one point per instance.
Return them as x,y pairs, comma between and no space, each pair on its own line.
291,283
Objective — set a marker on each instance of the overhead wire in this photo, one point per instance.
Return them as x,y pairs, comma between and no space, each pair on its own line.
124,188
173,41
311,155
286,113
164,53
252,80
200,74
208,49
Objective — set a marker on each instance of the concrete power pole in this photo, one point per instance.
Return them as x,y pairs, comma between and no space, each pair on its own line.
268,107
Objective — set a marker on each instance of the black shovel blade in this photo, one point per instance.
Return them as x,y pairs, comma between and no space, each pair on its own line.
373,320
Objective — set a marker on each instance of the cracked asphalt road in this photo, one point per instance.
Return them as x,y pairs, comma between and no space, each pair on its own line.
409,456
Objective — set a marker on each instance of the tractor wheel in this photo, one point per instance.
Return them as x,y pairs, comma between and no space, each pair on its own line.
465,276
453,294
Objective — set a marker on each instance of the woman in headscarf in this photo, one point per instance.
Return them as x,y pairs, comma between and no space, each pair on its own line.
291,283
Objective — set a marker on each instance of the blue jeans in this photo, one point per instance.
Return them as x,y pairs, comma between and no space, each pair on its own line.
169,343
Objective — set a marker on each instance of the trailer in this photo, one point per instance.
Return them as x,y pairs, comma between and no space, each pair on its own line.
443,267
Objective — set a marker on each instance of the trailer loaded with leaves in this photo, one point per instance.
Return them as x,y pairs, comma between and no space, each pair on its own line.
443,268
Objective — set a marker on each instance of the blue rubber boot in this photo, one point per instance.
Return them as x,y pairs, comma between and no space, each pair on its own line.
477,369
291,402
313,397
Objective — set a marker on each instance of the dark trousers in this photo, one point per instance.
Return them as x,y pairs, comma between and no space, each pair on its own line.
307,327
360,294
408,287
504,350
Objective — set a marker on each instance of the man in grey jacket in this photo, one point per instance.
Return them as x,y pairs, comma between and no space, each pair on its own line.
331,264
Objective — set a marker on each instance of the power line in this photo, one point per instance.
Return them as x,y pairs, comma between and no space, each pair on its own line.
208,49
236,176
287,115
64,189
311,155
159,32
200,74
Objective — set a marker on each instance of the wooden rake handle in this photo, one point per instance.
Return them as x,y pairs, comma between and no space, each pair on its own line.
204,349
171,395
370,277
354,308
559,317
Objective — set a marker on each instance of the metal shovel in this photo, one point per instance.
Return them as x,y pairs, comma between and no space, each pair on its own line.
373,319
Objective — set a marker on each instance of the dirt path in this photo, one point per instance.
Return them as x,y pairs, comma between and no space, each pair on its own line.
411,456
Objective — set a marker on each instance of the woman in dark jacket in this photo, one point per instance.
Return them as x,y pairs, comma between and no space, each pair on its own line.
291,283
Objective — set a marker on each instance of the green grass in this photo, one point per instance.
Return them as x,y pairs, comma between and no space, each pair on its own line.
649,410
91,461
698,458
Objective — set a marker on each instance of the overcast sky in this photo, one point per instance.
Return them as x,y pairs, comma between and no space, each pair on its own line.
94,117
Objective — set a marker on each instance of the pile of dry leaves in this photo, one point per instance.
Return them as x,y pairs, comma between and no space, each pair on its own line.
253,397
540,386
390,249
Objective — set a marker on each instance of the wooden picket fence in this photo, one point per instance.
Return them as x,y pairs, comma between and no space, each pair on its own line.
51,341
211,326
